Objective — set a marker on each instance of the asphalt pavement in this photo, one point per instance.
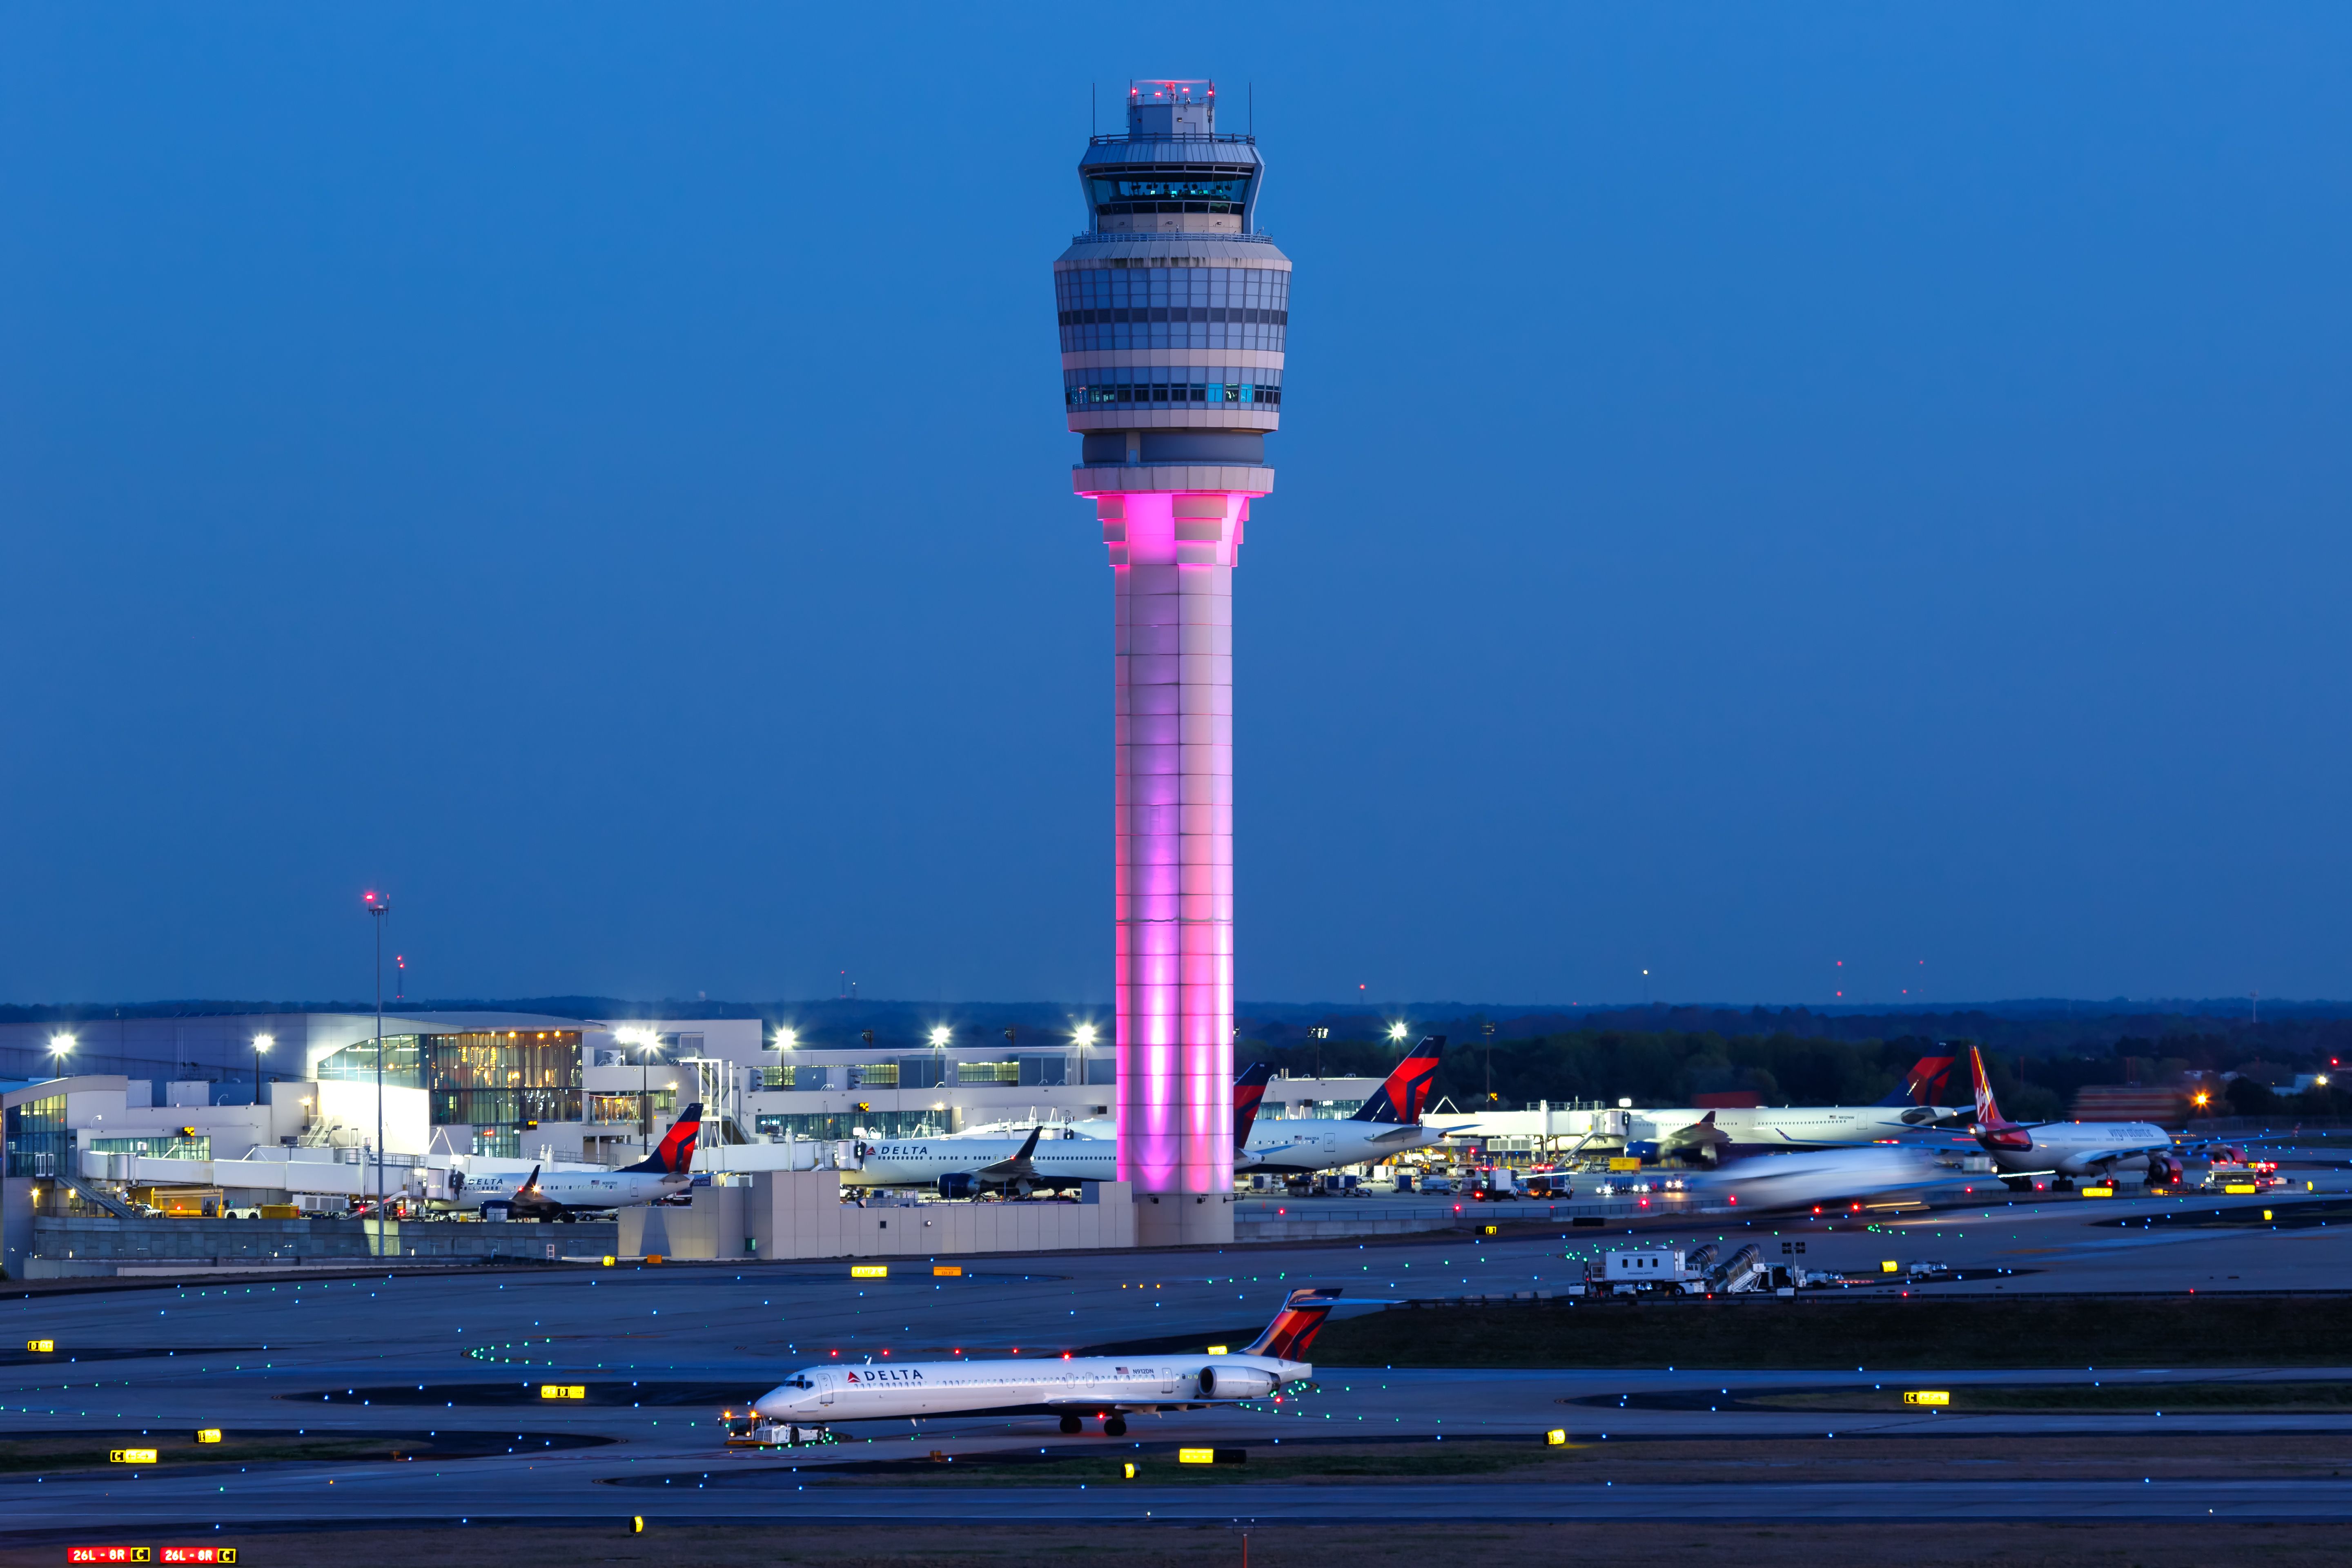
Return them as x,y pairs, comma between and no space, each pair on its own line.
431,1354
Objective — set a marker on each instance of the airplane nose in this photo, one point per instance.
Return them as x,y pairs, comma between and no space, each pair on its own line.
777,1402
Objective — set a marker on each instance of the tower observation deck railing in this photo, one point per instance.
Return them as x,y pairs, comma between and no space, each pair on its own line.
1245,139
1258,236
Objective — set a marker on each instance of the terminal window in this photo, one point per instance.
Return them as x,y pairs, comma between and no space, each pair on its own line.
38,1141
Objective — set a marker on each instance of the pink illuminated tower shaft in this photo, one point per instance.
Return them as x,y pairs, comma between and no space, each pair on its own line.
1173,311
1172,568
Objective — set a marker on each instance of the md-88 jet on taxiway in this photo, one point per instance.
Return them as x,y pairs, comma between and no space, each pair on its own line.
1076,1389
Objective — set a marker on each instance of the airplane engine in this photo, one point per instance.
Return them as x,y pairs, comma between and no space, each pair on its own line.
1235,1382
959,1185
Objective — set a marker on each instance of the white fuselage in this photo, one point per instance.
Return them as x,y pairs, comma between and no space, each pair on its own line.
1301,1145
1080,1385
921,1162
2076,1148
1787,1126
1821,1176
1309,1143
571,1189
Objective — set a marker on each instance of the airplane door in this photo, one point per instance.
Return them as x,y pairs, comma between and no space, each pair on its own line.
824,1388
1167,1379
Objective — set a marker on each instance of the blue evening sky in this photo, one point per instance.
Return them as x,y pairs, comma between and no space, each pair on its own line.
1761,487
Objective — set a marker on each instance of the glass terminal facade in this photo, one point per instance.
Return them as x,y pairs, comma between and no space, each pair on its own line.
502,1078
39,1143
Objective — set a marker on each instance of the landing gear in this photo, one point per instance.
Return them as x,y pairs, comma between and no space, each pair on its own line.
1114,1425
1072,1423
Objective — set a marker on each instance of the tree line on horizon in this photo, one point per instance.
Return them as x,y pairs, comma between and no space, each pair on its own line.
1671,1067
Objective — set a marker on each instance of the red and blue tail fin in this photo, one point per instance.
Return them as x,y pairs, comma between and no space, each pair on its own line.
1405,1095
1993,1130
674,1155
1295,1327
1249,1089
1924,1085
1987,1113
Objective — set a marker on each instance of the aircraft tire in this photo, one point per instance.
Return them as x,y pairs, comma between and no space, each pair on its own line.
1115,1427
1071,1423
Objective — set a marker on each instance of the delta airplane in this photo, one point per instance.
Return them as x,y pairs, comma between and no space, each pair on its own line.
1389,1123
665,1172
1108,1388
966,1167
1061,1157
2068,1149
1718,1135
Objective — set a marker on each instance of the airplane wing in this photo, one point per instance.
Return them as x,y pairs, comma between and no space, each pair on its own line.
1014,1165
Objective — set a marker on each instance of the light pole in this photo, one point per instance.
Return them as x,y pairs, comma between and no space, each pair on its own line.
940,1050
260,1044
1085,1036
648,1043
59,1044
940,1035
378,906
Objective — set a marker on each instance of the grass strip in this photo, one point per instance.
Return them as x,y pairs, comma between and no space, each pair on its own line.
1834,1334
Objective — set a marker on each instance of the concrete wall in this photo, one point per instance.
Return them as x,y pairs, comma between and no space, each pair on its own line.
800,1215
214,1241
15,1223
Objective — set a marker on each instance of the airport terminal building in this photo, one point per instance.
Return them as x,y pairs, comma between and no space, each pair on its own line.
530,1085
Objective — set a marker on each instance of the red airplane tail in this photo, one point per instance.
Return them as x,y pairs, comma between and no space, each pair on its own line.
1249,1089
1924,1084
675,1154
1405,1095
1295,1327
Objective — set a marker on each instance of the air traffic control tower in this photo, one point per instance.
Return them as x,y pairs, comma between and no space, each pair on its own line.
1172,309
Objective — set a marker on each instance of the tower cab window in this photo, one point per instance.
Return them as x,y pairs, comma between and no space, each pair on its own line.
1170,193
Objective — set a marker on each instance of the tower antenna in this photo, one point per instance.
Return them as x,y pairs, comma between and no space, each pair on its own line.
1252,108
1094,115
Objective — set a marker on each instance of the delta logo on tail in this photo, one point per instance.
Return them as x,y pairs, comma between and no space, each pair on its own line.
1996,1131
1249,1089
1405,1095
675,1156
1294,1328
1924,1085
